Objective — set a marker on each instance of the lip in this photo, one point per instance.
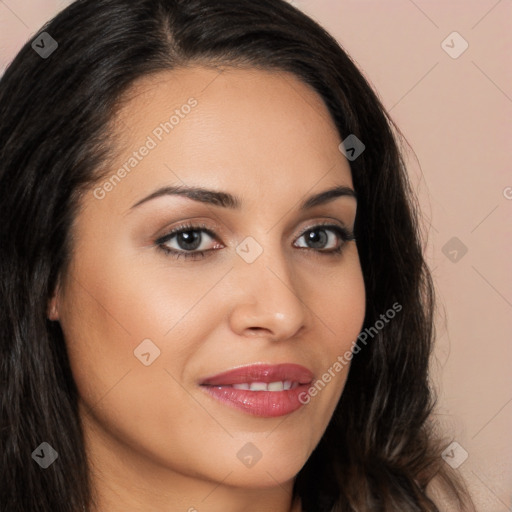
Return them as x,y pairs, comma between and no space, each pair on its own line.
260,403
261,373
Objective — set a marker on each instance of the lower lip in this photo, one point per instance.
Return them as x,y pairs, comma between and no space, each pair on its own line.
266,404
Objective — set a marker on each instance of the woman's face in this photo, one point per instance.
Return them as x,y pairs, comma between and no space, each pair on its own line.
147,328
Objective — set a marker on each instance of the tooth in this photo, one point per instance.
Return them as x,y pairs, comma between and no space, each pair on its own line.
244,385
287,384
276,386
295,385
258,386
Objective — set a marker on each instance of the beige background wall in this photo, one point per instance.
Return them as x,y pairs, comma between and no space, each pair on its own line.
455,111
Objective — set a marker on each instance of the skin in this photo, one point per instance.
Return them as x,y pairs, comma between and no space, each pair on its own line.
156,441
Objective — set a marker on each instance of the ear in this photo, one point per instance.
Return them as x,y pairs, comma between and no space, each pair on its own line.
52,309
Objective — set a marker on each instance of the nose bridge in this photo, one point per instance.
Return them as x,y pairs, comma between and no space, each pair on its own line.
268,295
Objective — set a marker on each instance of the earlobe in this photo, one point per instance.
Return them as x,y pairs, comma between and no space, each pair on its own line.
52,310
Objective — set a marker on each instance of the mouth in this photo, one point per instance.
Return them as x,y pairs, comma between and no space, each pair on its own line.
260,389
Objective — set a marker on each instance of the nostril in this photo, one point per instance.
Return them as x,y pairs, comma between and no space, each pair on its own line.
260,332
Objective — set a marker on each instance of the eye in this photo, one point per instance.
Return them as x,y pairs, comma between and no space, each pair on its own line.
187,240
324,238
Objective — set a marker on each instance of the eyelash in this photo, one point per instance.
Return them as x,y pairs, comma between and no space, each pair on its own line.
345,234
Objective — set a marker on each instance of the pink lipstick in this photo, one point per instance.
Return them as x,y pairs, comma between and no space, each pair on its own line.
261,389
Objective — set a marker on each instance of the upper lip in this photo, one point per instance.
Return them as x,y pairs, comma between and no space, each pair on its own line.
261,373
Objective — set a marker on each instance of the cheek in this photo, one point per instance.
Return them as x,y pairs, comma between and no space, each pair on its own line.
338,300
122,300
131,329
104,322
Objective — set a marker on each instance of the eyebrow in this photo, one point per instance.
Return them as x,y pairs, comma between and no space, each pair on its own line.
226,200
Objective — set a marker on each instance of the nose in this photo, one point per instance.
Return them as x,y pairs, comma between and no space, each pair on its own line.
267,301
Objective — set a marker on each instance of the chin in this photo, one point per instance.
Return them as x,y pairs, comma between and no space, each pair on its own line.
268,471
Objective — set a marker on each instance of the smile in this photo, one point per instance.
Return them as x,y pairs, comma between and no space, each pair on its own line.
260,390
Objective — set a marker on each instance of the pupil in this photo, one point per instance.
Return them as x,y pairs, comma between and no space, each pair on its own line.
317,240
189,240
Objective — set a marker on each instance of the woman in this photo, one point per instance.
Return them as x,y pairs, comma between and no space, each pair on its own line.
214,294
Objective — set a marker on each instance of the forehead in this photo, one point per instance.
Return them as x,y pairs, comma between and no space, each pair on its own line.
251,104
229,128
